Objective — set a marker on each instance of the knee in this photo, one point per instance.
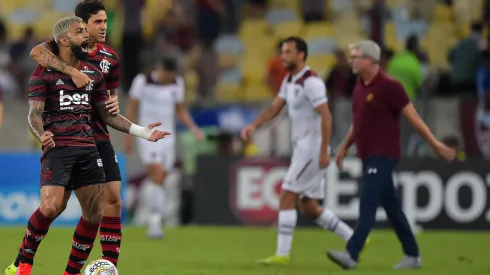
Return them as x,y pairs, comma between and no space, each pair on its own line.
287,200
64,204
310,209
51,208
158,177
113,201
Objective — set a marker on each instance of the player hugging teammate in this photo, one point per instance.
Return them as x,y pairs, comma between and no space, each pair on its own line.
103,60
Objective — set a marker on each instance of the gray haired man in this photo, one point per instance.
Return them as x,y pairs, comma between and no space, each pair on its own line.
378,102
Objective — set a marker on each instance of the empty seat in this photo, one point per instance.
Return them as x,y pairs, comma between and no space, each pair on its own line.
230,44
286,29
280,15
321,46
318,30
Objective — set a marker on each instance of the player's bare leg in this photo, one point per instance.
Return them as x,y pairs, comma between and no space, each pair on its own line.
10,270
110,227
157,175
325,218
90,198
286,223
53,202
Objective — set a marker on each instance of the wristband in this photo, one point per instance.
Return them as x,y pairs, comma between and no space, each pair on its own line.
142,132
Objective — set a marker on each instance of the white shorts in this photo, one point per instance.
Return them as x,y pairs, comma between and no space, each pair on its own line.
160,152
304,176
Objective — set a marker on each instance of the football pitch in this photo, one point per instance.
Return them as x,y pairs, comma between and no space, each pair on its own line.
233,251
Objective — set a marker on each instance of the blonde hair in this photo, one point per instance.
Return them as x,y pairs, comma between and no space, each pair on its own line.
61,27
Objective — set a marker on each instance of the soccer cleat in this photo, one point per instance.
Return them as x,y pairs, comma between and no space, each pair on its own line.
24,269
275,260
409,262
342,258
368,240
10,270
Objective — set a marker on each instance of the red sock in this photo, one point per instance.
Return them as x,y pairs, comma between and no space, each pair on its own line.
37,228
82,243
110,238
19,254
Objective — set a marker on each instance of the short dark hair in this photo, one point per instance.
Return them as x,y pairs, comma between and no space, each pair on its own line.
169,64
279,44
412,43
476,27
300,43
87,8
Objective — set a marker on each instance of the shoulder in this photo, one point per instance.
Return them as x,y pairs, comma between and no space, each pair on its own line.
52,45
308,76
390,83
179,80
313,81
108,51
143,79
40,72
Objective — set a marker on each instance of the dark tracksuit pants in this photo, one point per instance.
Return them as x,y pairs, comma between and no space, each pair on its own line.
378,189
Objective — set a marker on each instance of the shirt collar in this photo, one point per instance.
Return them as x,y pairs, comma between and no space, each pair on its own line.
375,80
300,74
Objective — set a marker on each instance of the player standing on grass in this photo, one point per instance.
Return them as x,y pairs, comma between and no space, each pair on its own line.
159,95
106,60
60,117
377,102
306,97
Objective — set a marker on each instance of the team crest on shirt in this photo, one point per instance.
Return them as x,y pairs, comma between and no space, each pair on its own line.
105,65
370,97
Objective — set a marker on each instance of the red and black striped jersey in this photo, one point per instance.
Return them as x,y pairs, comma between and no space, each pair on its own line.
106,60
68,109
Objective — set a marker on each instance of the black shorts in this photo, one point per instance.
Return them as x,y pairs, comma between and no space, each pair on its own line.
109,159
72,167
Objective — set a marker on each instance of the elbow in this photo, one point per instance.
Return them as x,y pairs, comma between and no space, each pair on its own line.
34,52
107,120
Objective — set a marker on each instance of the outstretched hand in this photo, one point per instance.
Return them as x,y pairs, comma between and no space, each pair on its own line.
157,134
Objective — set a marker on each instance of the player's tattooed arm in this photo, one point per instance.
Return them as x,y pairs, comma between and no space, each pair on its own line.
44,57
36,109
117,122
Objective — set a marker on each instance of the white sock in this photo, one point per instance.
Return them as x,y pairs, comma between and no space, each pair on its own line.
328,220
286,224
157,203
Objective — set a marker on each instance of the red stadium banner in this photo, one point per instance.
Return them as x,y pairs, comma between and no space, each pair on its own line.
434,194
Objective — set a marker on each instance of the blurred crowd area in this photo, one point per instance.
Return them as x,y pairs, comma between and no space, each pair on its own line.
228,49
228,52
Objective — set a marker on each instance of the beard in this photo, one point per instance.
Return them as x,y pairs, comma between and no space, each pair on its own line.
78,51
290,66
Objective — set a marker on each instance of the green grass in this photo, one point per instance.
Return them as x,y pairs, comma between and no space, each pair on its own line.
233,251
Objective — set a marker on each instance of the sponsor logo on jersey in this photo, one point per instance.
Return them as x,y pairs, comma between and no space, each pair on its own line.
104,51
86,70
90,86
67,102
